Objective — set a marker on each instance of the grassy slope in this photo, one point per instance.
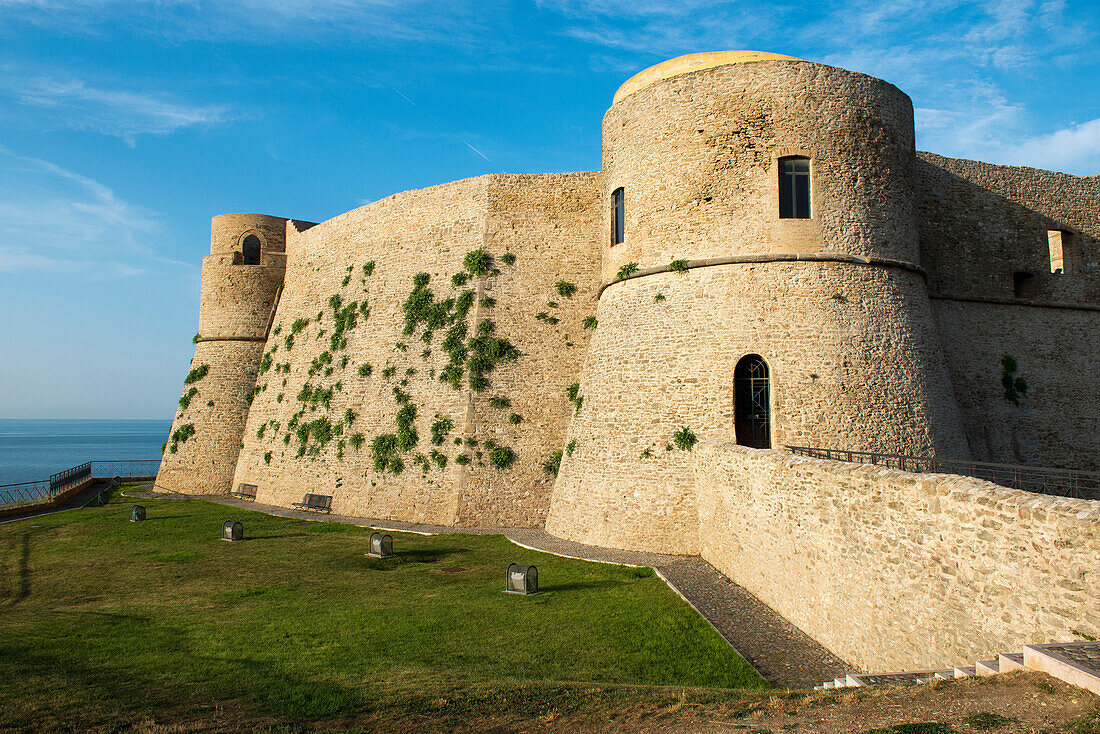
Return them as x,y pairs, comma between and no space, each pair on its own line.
103,619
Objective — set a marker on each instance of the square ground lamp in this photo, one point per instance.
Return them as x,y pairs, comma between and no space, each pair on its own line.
521,580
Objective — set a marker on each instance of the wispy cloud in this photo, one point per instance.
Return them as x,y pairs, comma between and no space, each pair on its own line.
69,103
58,220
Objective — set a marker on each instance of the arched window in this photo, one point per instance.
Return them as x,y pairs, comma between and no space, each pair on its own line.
251,247
794,187
750,402
618,213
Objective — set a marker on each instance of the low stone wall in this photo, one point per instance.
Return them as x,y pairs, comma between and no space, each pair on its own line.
892,570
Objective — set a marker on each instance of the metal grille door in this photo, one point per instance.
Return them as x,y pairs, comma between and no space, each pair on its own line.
751,401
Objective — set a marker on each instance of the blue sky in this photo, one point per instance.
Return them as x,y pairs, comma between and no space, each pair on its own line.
126,124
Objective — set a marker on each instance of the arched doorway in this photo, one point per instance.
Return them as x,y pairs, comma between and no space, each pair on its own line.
751,402
251,247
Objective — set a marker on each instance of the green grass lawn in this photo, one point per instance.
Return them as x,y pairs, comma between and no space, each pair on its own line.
104,621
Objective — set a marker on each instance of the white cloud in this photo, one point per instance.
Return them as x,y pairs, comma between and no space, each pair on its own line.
1075,149
72,104
58,220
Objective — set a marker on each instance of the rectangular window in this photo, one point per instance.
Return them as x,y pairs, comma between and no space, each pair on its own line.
794,188
1061,250
618,212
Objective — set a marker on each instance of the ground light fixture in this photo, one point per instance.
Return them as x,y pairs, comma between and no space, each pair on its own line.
137,513
521,580
232,530
381,546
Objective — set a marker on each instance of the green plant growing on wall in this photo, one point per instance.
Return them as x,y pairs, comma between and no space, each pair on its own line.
439,459
196,374
840,298
260,430
407,437
659,298
180,435
543,316
627,270
590,322
508,258
678,266
368,268
571,447
365,369
462,459
501,457
553,464
573,392
357,440
440,428
500,403
267,457
552,304
460,279
515,419
477,263
648,453
389,372
252,394
265,363
684,439
565,289
185,400
488,302
350,416
1015,387
209,403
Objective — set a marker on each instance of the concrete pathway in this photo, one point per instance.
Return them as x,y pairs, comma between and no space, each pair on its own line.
779,651
75,502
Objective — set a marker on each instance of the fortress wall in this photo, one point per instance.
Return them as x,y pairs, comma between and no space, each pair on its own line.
861,372
697,157
899,571
539,219
227,231
551,223
980,223
1057,351
205,462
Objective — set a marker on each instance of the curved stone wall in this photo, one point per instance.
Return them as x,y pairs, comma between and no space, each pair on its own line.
697,157
236,305
853,358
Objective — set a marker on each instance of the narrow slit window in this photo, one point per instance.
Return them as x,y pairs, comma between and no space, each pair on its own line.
251,246
794,187
1061,251
618,212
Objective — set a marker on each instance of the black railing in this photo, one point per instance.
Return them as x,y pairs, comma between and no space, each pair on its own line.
32,493
1043,480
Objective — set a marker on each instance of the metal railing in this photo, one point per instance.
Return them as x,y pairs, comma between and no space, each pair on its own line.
1043,480
32,493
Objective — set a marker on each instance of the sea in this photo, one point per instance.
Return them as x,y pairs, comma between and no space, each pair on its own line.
32,450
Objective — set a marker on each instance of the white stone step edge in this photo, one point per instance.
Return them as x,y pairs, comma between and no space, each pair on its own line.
1040,657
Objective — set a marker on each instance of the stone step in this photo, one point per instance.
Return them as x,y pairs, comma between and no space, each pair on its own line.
987,667
1010,661
966,672
1076,663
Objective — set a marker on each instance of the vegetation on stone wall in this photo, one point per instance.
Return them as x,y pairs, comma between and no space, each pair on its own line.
627,270
196,374
573,392
185,400
180,435
684,439
553,464
678,266
565,289
590,322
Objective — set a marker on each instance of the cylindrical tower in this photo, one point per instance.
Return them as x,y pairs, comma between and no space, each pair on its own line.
240,288
761,285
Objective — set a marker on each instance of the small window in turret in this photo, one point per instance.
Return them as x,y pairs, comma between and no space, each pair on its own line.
794,187
618,213
251,247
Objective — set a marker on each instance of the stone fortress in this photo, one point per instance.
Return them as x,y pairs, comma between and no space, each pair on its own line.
622,357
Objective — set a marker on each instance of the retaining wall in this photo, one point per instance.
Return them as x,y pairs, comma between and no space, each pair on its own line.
892,570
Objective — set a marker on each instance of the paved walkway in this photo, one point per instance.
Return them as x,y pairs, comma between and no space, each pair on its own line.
779,651
75,502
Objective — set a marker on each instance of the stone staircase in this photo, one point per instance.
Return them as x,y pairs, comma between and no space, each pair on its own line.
1077,663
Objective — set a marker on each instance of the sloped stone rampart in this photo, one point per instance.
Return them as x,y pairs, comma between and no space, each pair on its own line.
892,570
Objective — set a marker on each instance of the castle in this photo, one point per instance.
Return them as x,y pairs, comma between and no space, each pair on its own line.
764,261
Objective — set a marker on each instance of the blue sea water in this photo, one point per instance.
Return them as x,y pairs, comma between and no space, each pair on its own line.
32,450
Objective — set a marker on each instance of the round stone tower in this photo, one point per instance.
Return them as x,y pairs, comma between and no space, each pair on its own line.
241,280
761,286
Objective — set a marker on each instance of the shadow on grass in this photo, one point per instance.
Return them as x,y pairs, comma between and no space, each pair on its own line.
577,585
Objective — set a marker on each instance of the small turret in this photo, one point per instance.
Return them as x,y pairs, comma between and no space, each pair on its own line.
241,281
